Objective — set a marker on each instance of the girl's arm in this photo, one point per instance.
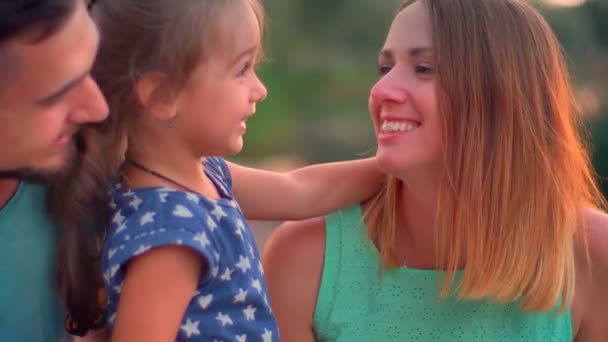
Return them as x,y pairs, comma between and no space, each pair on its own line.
306,192
157,288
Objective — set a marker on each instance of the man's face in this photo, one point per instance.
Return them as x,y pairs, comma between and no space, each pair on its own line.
46,96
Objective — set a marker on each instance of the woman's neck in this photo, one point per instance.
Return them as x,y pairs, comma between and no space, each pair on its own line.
417,210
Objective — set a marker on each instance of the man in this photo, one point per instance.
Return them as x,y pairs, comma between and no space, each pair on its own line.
47,48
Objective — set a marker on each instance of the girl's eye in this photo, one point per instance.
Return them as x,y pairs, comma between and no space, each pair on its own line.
384,69
244,70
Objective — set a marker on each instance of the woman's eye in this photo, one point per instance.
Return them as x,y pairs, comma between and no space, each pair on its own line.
425,69
384,69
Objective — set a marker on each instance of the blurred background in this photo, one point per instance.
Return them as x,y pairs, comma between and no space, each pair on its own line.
321,63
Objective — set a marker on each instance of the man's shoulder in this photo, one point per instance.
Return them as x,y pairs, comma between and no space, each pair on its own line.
25,203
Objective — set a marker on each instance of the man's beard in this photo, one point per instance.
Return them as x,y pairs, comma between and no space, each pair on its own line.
47,176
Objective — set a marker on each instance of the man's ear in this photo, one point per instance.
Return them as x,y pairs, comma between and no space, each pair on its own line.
155,97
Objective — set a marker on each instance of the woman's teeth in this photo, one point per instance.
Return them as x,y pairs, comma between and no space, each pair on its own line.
398,126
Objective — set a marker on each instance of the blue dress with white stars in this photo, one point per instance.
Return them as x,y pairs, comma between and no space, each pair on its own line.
231,300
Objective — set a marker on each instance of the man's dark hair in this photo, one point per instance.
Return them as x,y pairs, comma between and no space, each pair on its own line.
42,17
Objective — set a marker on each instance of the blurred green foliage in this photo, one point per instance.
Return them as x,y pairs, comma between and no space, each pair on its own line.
321,63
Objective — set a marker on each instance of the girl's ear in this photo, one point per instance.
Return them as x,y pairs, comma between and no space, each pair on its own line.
155,97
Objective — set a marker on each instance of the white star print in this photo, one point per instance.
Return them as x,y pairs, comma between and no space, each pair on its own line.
202,239
240,297
249,313
112,204
112,318
267,304
111,252
121,227
260,268
240,228
224,319
227,276
243,264
240,225
190,328
106,276
215,270
255,283
113,270
192,197
211,224
118,218
233,204
240,234
147,218
163,197
218,212
118,288
241,338
217,256
267,336
251,251
136,202
142,249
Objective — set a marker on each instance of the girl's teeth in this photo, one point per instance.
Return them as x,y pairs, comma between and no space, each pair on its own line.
395,126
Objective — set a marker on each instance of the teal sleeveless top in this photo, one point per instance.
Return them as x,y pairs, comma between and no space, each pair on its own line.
30,309
355,303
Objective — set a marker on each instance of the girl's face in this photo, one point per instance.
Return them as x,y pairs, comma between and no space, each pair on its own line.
402,103
223,91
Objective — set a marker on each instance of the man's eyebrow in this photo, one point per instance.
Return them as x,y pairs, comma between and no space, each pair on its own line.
56,95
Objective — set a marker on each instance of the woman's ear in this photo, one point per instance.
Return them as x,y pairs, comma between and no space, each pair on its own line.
155,97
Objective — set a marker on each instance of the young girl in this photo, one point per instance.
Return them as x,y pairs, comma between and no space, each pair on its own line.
179,260
488,228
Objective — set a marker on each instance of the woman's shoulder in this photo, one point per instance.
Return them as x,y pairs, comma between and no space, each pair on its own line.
597,239
296,243
293,264
591,298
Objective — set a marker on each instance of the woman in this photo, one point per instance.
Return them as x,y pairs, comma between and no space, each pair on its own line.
489,228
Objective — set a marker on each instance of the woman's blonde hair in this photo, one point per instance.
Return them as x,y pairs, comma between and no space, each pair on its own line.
517,175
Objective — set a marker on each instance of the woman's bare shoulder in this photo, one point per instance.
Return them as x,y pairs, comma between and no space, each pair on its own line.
293,261
593,280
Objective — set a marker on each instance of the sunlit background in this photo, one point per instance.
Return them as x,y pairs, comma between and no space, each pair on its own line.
563,3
